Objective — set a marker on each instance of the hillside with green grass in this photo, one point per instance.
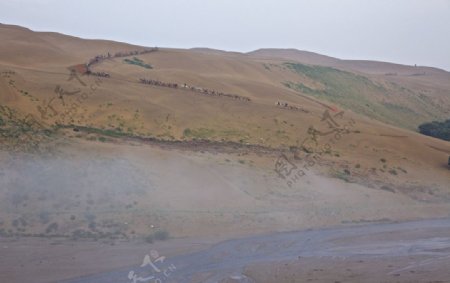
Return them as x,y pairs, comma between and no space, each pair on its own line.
385,101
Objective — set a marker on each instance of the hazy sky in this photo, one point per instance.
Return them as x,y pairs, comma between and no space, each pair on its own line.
403,31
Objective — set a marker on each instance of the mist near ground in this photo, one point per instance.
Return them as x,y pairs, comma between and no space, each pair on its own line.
42,178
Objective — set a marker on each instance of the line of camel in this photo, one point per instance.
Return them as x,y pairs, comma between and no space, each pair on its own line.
85,69
100,58
199,90
98,74
285,105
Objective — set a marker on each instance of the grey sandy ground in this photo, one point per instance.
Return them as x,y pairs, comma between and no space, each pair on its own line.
416,251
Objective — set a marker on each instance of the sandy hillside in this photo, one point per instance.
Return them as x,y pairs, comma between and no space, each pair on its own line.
157,143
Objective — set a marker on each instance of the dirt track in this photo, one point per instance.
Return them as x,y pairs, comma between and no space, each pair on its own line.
397,252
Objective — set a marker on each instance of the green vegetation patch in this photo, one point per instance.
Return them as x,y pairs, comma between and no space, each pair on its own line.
138,62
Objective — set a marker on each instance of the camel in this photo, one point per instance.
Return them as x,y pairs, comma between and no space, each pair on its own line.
193,89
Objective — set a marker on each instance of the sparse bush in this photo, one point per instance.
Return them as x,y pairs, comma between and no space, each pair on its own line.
90,217
161,235
187,132
52,228
343,176
383,160
15,223
149,239
18,198
23,222
387,188
44,217
92,225
80,233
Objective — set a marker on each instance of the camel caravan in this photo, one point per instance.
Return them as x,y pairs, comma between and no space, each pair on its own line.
100,58
158,83
84,69
99,74
199,90
285,105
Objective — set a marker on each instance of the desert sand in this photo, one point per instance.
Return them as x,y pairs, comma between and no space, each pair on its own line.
97,171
